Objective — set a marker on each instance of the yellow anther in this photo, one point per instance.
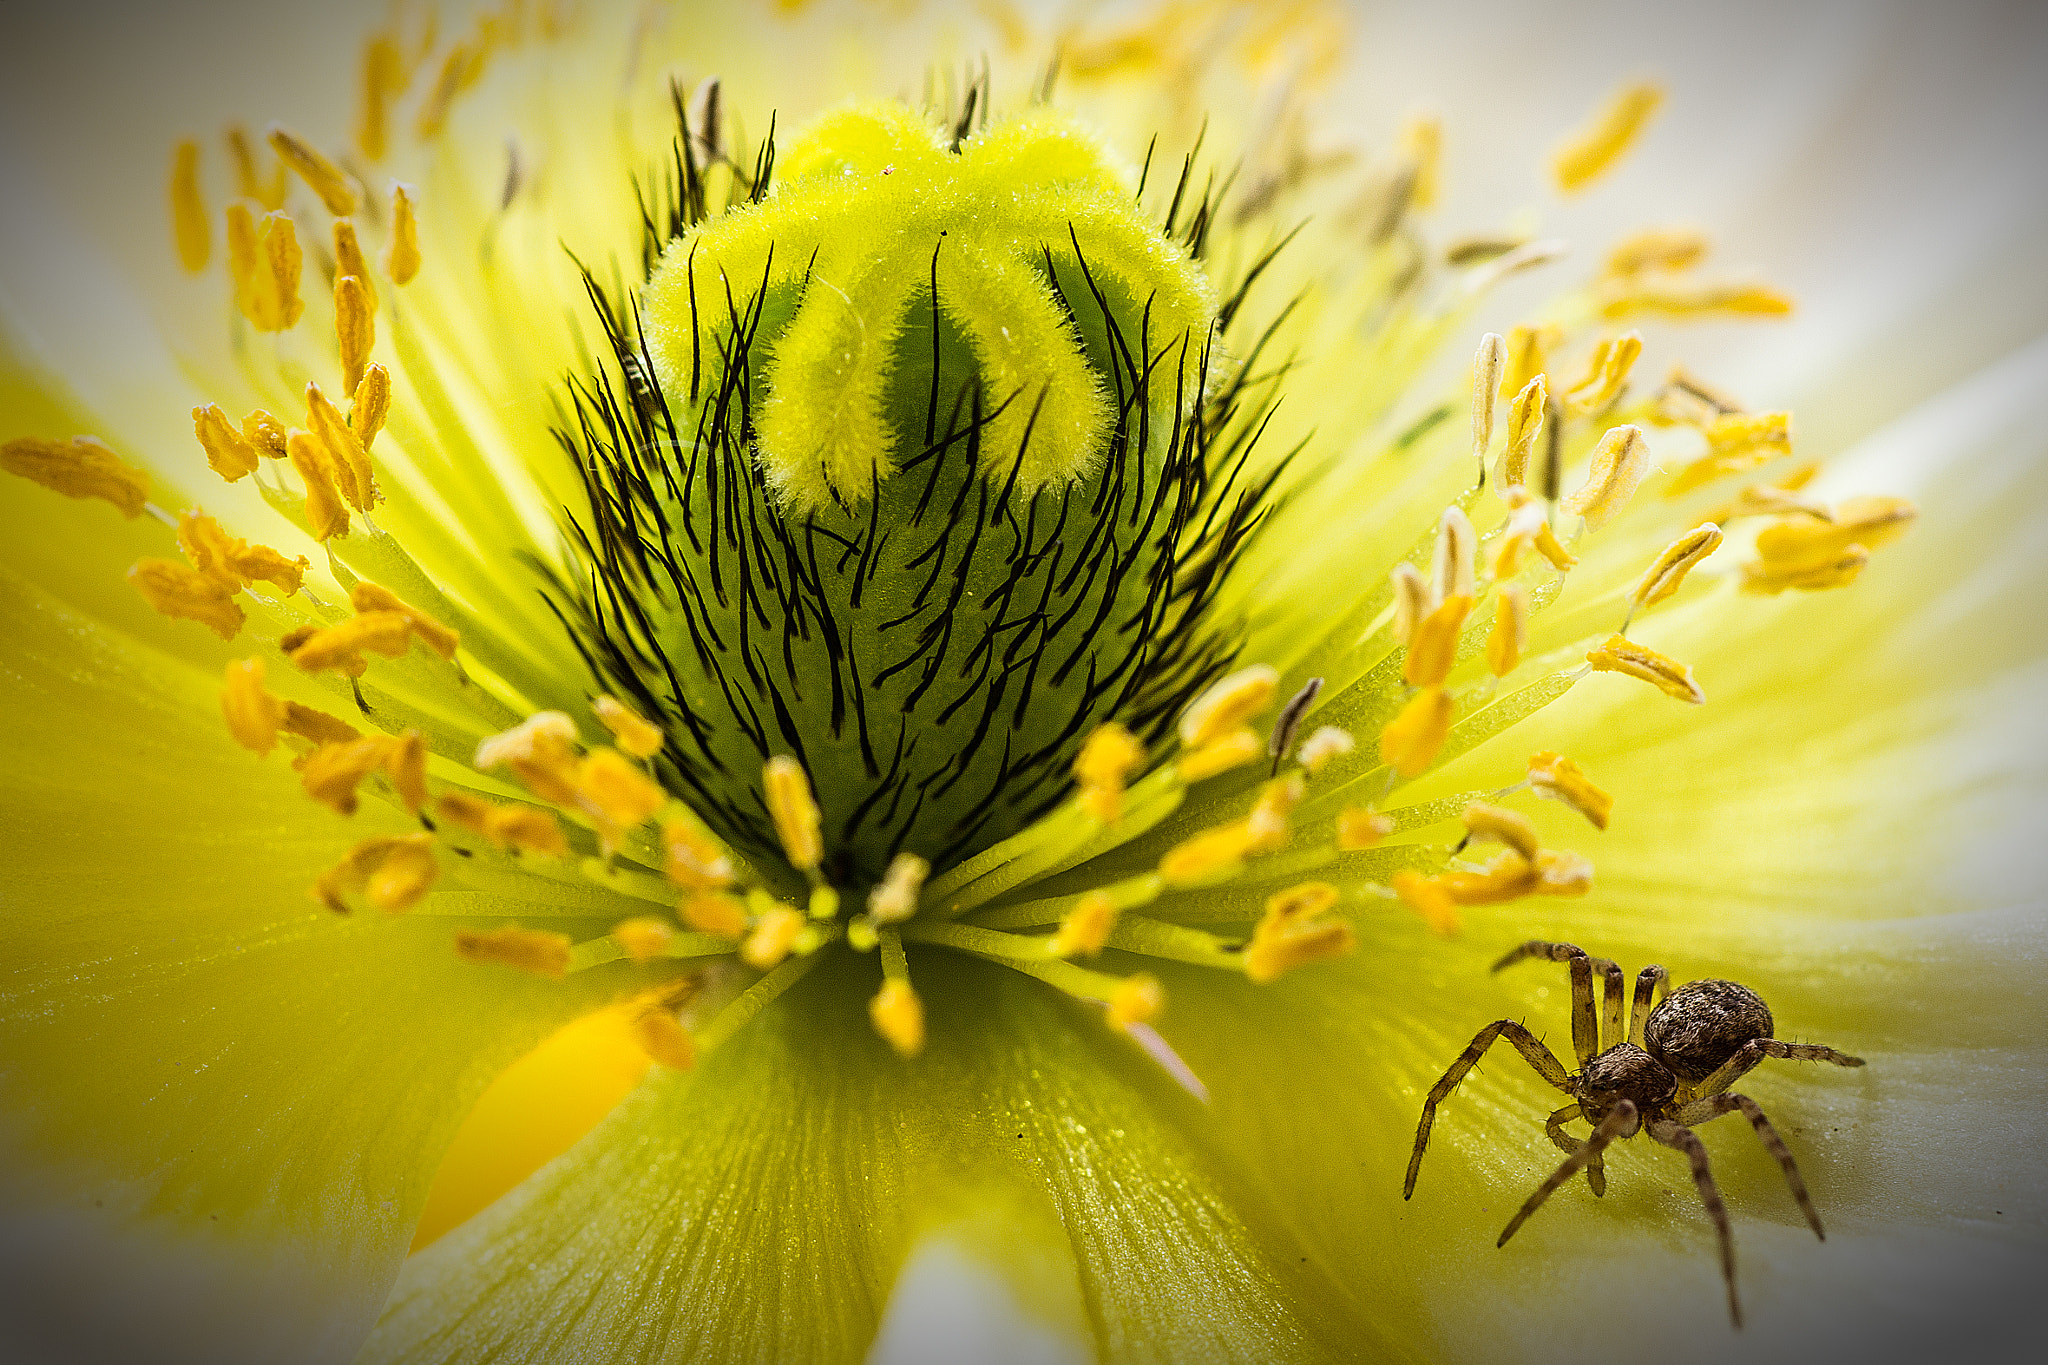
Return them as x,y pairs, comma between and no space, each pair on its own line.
355,328
270,289
1510,876
1686,398
638,737
1619,654
1510,633
349,260
1267,823
347,459
1594,148
1290,935
1412,600
693,859
391,872
383,75
1487,365
1619,463
1525,424
188,209
1779,498
1213,851
1663,577
617,793
1656,249
1606,371
527,829
459,69
371,402
894,898
464,809
658,1033
1560,872
824,904
1552,549
1106,760
1528,355
1503,826
1326,742
898,1015
252,713
1553,775
1451,571
402,255
336,646
1303,901
368,597
406,764
773,937
1693,302
244,258
644,937
1411,741
326,516
178,590
227,453
709,912
266,184
1422,142
334,771
1138,999
265,433
317,726
1800,543
1085,928
1359,828
1735,442
540,951
1228,703
82,467
1427,897
321,175
1233,750
208,548
540,750
795,812
1434,648
1760,577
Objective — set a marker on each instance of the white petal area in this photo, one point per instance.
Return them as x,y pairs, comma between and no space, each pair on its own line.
981,1289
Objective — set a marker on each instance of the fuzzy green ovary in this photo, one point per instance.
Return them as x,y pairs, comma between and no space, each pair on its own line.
841,369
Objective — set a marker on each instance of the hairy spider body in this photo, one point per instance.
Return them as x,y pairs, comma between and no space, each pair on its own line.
1667,1075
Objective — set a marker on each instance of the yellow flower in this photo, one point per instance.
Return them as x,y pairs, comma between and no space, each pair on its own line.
490,724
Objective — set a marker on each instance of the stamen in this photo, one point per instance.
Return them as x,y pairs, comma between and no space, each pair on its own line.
1735,442
1084,929
355,327
367,597
694,858
1656,249
253,715
1427,897
1359,828
1411,741
317,726
1235,749
710,913
773,938
1686,397
1558,778
1780,498
265,433
1563,873
1106,759
1486,370
347,459
1527,524
349,260
1619,654
1528,354
1138,999
180,591
619,796
1619,463
383,75
1760,577
898,1015
1580,161
894,898
1422,141
1606,372
1290,935
635,735
1503,826
82,467
1525,424
1663,577
643,938
1799,543
1200,858
1412,600
1228,703
270,288
266,189
341,646
1325,743
528,829
1510,876
1695,302
208,548
658,1033
1267,823
321,175
1451,569
392,871
795,812
332,772
1435,647
407,765
227,453
540,951
1510,632
326,517
402,255
540,751
189,223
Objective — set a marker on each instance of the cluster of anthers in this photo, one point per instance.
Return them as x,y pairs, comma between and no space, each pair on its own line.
517,803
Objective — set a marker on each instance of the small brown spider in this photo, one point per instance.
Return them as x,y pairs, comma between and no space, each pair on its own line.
1669,1075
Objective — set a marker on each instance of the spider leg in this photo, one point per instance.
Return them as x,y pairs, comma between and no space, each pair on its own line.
1585,1026
1610,1001
1685,1140
1738,1066
1526,1043
1620,1119
1713,1106
1596,1170
1650,981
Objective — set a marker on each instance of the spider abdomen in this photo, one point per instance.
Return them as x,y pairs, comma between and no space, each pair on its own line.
1704,1023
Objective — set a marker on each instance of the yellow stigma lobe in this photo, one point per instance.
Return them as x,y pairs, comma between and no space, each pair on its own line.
795,812
321,175
178,590
1619,654
1227,704
898,1015
188,209
1600,144
1619,463
635,735
1553,775
540,951
82,467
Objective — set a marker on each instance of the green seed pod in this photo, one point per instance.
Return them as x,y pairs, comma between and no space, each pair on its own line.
911,480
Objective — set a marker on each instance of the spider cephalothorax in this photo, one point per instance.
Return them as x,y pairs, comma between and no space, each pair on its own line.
1669,1075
